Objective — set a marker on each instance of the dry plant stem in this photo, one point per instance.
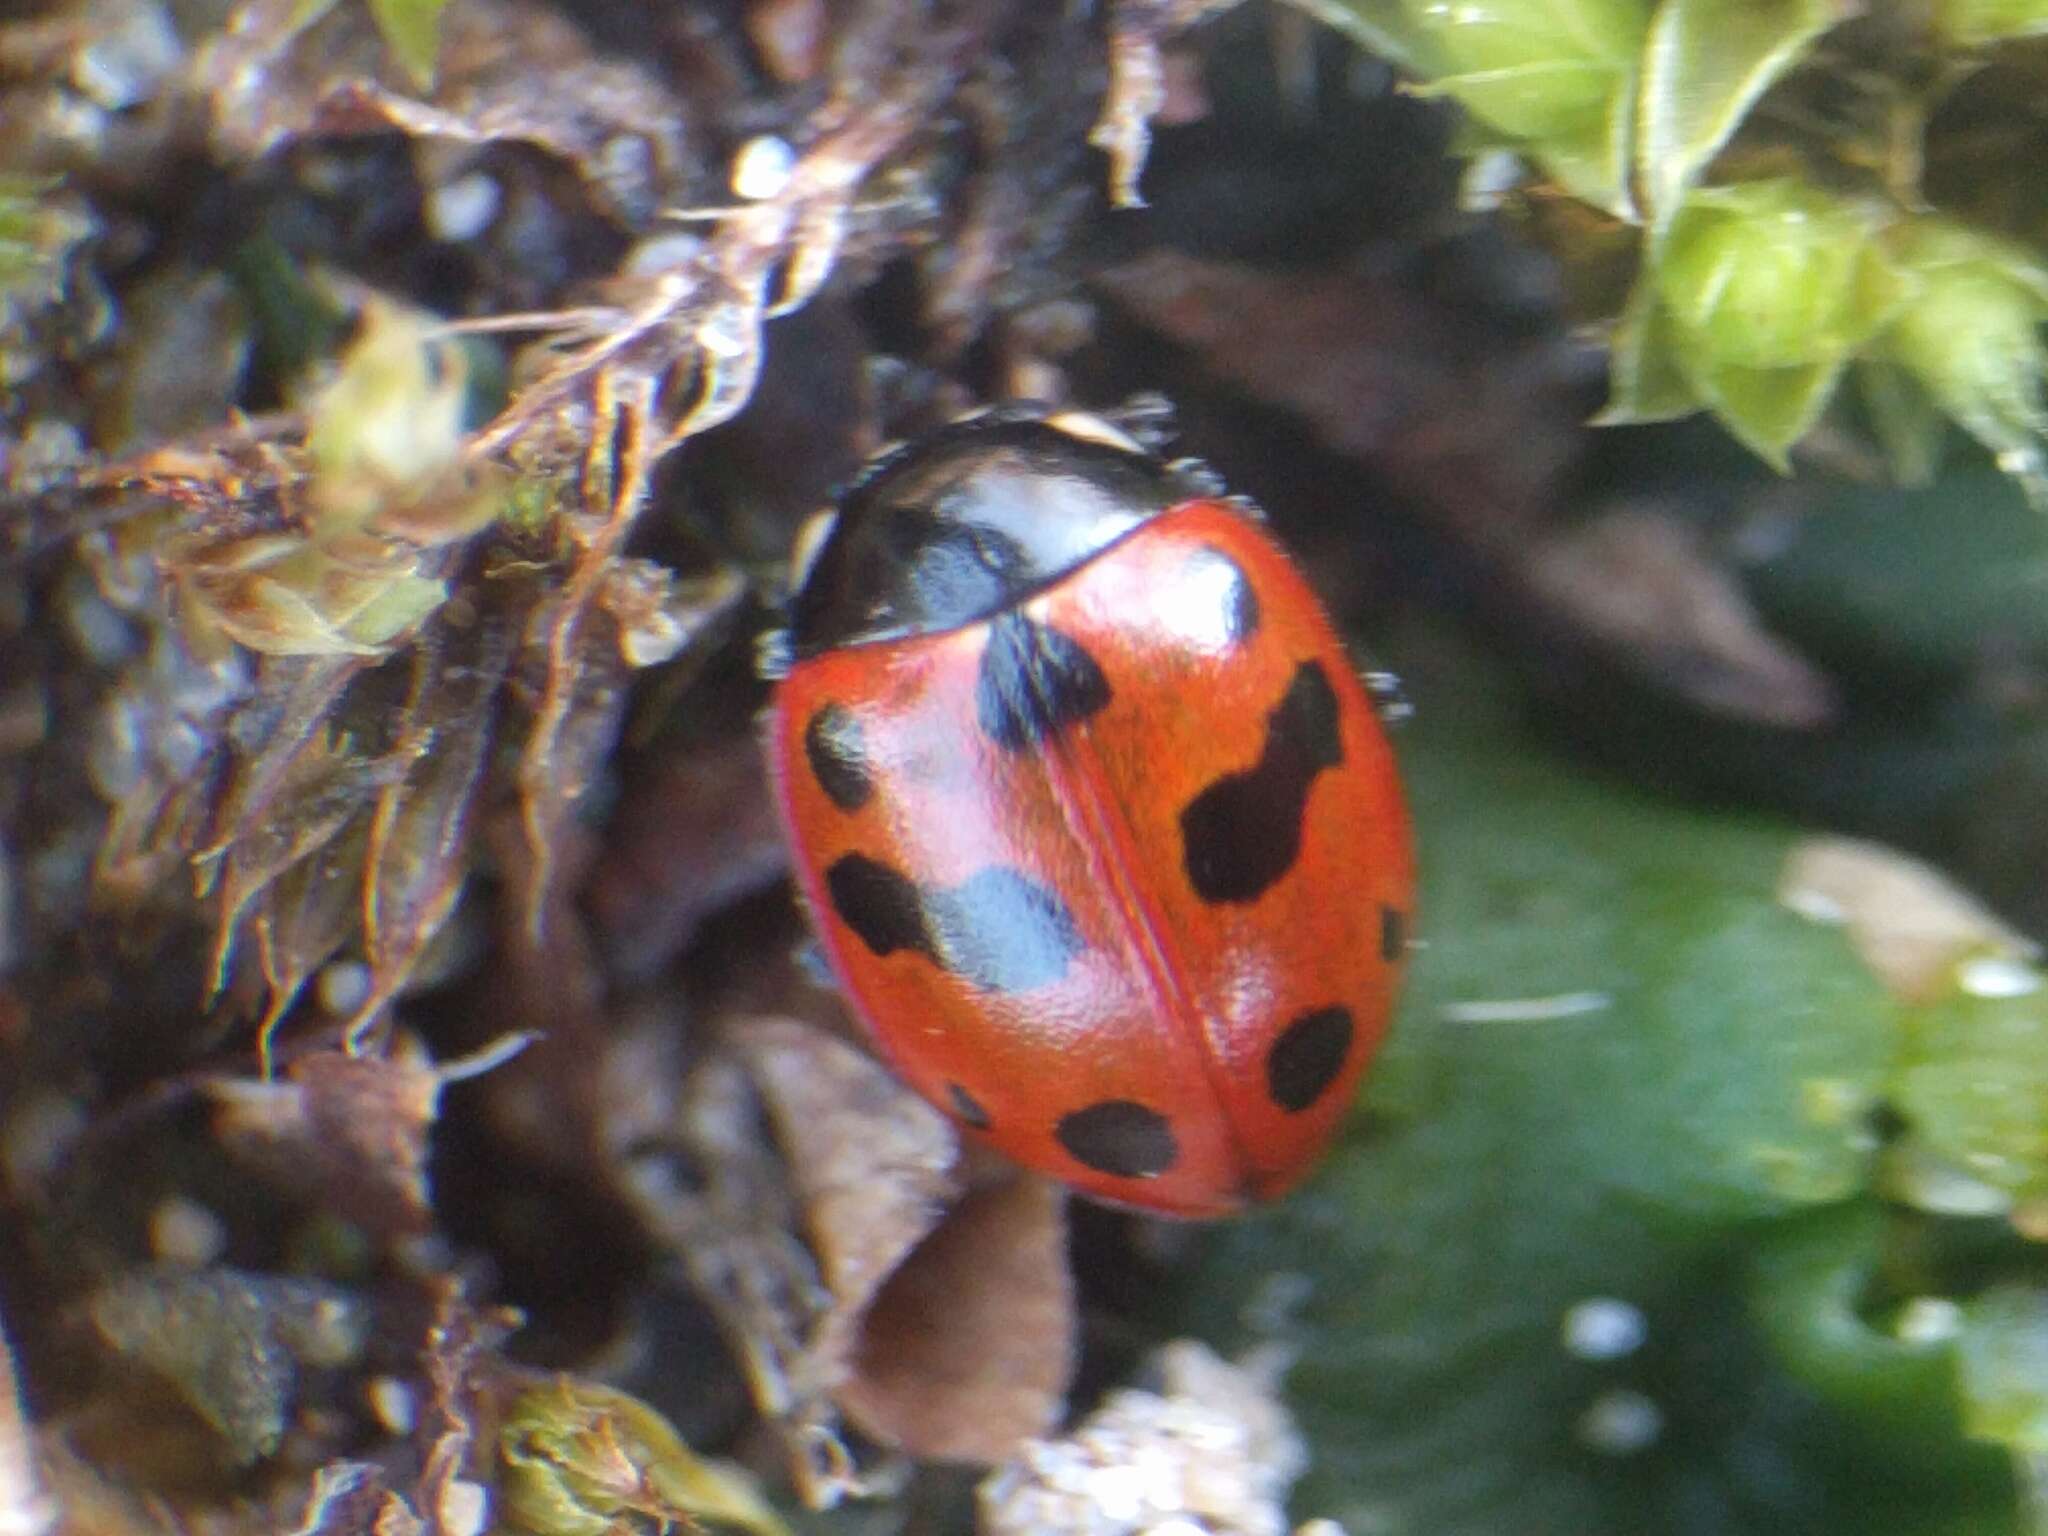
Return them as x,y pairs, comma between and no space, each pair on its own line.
702,324
1137,85
407,896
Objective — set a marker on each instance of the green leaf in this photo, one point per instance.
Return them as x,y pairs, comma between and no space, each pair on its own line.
1902,584
1758,296
1973,1086
1704,66
2004,1350
26,238
1555,77
1809,1283
1645,382
1773,274
1378,26
412,31
1484,36
1907,423
1622,1067
1578,135
1768,409
584,1460
1969,332
1971,23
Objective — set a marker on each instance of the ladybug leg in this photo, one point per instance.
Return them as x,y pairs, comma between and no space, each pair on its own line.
1389,698
1147,417
810,960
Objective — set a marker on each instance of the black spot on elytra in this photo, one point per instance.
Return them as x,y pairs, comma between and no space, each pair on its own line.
1243,832
1034,682
1393,934
1121,1137
879,904
967,1107
1307,1058
997,930
838,757
1240,602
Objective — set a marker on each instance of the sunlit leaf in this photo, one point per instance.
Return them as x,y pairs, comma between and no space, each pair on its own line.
1379,26
1973,1088
1572,118
1555,78
1974,22
21,243
585,1460
2004,1350
412,31
1909,426
1704,66
1764,290
1773,274
1969,332
1489,36
1768,409
1645,381
391,416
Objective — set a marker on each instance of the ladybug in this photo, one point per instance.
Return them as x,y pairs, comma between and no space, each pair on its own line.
1100,831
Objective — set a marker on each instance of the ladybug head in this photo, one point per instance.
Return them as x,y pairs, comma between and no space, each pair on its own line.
971,519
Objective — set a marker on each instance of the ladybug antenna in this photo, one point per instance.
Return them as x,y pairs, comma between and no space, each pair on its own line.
774,655
1148,417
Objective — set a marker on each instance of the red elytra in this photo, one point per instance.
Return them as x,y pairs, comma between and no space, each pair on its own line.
1099,829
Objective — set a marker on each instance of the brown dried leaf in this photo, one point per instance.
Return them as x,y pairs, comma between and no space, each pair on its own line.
792,36
350,1131
1474,435
326,788
871,1165
509,72
787,1250
970,1346
1643,584
840,1255
295,695
418,854
1908,922
738,1240
302,922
